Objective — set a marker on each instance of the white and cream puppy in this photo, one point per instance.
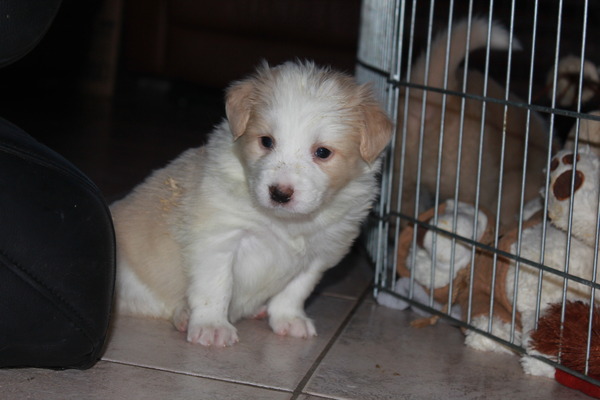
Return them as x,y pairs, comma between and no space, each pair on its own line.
248,223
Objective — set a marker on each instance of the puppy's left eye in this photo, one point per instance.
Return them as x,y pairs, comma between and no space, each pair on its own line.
267,142
323,153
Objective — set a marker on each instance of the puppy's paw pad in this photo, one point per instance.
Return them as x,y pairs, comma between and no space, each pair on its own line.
219,335
300,327
181,318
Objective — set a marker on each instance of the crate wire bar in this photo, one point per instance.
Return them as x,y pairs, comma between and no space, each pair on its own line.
393,34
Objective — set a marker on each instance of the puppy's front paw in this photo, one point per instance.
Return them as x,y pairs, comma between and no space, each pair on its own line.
181,318
300,326
218,335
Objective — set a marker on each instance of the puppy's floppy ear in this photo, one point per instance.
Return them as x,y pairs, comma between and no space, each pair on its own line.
376,131
238,104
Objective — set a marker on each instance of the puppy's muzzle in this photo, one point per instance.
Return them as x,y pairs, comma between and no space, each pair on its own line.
280,194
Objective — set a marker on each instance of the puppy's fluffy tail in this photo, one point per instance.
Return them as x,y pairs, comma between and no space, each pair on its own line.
499,40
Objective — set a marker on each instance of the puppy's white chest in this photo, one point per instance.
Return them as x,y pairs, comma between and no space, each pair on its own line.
266,252
298,244
264,263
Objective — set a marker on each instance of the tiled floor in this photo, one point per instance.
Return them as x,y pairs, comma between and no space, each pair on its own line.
363,351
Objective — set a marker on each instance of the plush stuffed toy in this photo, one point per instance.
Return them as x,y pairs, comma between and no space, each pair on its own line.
440,272
503,317
416,256
567,81
589,135
561,256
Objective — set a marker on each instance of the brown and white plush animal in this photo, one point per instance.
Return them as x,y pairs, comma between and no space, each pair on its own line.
416,120
249,222
562,246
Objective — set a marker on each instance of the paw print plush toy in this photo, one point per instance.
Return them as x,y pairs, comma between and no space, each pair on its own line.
562,257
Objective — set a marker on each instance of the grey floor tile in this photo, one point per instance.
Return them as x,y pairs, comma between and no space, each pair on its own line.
115,381
379,356
261,357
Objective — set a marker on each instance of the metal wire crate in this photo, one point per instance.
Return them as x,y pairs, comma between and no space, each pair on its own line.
551,78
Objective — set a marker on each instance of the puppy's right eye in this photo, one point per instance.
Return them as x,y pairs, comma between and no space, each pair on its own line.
267,142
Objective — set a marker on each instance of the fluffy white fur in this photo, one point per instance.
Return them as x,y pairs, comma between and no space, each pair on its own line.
483,343
448,255
249,222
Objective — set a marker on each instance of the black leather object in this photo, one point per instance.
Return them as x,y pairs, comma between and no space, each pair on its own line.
57,258
23,23
57,245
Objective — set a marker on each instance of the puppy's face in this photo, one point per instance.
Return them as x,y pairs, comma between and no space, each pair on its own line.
298,155
302,134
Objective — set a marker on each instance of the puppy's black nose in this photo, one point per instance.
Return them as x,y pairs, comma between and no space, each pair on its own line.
281,195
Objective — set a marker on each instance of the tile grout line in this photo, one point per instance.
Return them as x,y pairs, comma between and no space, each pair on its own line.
304,381
198,376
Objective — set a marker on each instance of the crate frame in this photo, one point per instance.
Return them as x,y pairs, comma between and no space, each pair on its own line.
387,27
